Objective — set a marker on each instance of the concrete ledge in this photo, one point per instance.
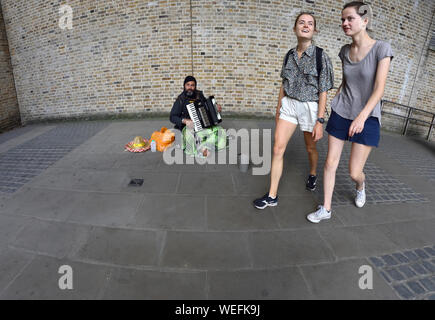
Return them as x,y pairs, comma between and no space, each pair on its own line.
139,116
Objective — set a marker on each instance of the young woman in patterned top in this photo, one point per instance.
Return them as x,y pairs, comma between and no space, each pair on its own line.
356,110
307,75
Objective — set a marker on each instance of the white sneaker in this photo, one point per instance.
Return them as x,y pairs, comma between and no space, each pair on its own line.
319,215
360,198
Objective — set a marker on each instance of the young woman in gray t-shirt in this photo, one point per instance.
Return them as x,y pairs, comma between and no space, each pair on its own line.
356,107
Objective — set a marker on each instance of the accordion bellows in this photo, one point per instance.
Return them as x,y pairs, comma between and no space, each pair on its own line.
204,114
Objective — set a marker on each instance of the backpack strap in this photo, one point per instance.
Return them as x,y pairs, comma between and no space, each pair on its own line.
319,52
319,65
287,56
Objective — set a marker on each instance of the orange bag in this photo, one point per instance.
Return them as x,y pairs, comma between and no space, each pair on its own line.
163,138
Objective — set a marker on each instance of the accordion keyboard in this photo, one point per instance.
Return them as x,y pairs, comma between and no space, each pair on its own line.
194,116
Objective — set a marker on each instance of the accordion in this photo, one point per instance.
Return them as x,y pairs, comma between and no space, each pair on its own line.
204,114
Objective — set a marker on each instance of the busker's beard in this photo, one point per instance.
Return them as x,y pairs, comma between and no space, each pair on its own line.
190,93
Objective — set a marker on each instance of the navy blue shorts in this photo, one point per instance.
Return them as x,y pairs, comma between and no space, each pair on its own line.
339,127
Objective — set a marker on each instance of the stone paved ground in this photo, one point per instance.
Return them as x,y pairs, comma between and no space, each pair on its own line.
27,160
191,232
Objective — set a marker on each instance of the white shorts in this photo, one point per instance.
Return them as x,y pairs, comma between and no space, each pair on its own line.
297,112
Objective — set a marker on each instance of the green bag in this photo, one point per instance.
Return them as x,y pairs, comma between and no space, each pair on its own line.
214,138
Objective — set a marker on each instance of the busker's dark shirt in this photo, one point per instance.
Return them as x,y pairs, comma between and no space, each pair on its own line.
179,109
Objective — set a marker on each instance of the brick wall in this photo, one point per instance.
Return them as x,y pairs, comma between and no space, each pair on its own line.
9,113
422,85
132,56
120,56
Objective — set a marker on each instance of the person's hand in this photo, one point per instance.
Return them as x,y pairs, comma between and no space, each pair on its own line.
219,108
189,123
357,125
205,152
317,131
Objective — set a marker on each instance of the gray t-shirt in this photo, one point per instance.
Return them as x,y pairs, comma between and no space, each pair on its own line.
359,80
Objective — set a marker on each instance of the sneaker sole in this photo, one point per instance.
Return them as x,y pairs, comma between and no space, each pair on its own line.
364,199
309,189
267,205
317,221
360,206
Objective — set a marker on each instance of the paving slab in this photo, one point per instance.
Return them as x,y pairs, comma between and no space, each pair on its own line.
15,133
419,184
288,248
171,212
43,203
10,226
34,156
372,214
276,284
400,148
114,180
410,234
122,246
154,182
4,198
212,184
88,161
151,285
360,241
50,238
340,280
184,166
257,186
206,250
232,213
40,281
17,136
389,164
103,147
143,160
81,179
12,262
105,209
225,167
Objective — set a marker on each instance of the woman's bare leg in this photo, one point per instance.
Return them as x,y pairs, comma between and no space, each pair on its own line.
335,147
313,155
283,132
358,158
